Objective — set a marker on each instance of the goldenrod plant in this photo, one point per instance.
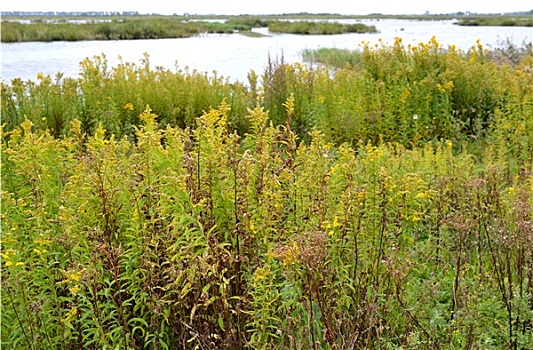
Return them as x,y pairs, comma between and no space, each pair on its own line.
353,215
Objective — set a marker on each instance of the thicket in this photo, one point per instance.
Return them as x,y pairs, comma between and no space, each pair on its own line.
302,210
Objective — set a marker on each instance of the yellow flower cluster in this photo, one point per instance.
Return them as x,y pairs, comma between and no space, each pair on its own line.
9,258
261,273
71,315
292,255
447,86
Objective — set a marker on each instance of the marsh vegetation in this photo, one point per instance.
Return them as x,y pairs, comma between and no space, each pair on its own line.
386,205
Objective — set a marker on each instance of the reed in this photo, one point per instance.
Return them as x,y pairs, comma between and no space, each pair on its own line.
116,29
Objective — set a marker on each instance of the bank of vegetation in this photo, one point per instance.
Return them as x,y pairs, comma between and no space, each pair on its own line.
318,28
388,205
161,27
503,21
117,29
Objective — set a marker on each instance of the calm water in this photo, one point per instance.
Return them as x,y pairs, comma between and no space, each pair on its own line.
235,55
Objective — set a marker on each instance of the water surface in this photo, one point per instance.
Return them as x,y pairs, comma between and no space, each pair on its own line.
234,55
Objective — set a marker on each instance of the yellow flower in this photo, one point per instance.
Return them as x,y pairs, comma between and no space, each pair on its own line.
9,263
20,264
74,290
252,227
406,93
415,218
70,315
511,190
336,222
292,255
40,75
422,195
261,273
128,106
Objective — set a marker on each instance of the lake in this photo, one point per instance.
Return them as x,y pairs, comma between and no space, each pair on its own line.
234,55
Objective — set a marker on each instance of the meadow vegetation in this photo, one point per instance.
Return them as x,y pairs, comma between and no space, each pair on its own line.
387,204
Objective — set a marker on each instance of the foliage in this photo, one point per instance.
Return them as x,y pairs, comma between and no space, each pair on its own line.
116,29
318,28
332,57
199,238
503,21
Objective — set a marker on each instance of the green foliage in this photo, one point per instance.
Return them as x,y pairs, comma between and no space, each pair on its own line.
318,28
504,21
336,58
193,237
305,210
114,97
116,29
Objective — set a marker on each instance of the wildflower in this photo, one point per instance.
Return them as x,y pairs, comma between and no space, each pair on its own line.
40,75
252,227
261,273
74,290
511,190
449,144
9,263
70,315
406,93
76,126
75,276
292,255
415,117
415,218
336,221
20,264
128,106
421,195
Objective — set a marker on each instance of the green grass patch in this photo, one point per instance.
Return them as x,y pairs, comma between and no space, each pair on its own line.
318,28
497,22
335,58
118,29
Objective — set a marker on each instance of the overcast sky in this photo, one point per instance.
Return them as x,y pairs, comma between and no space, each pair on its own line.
271,6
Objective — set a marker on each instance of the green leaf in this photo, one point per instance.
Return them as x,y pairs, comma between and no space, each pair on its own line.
221,323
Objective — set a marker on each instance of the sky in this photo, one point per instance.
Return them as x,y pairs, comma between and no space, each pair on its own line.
345,7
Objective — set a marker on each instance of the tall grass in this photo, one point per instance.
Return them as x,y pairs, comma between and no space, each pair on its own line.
318,28
302,210
118,29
